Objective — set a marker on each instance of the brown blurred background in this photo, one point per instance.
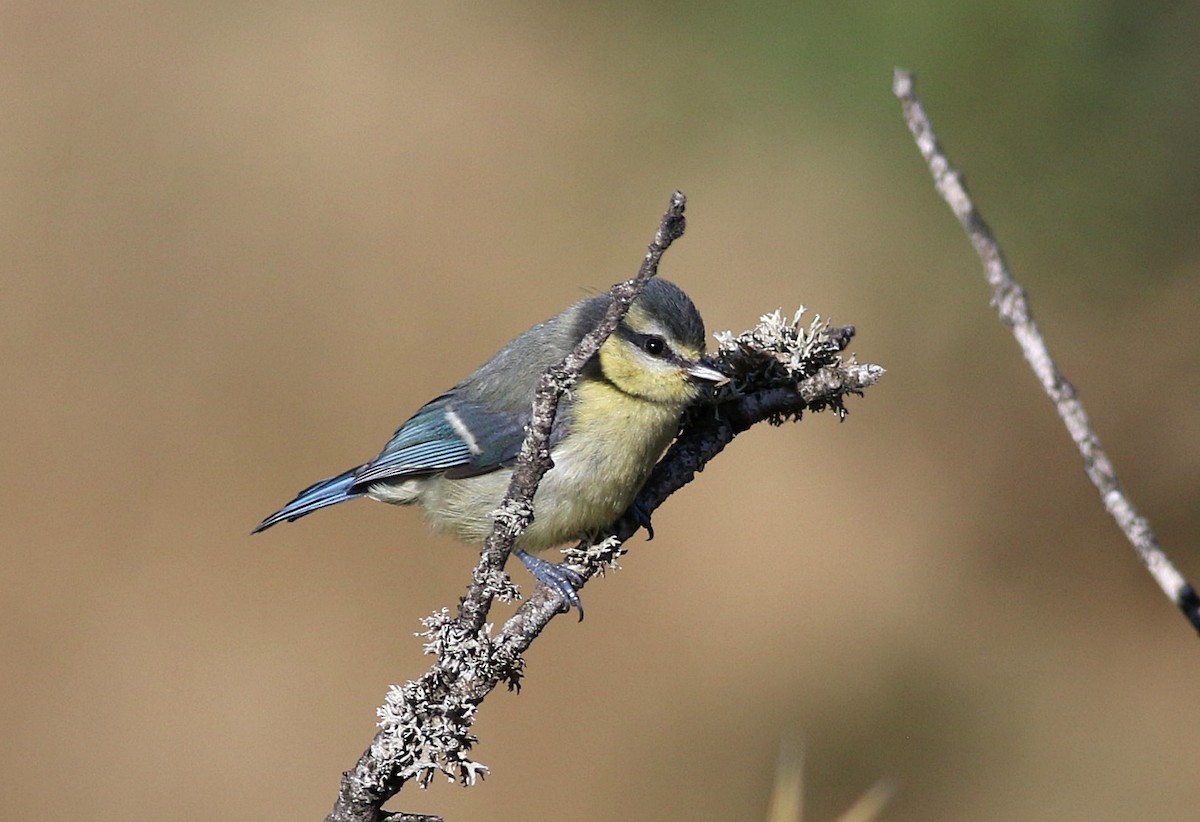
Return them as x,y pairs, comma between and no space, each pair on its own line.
242,242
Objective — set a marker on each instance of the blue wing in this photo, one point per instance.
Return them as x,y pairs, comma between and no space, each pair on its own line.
476,427
460,438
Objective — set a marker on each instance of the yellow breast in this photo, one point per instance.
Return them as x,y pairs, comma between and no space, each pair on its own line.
615,441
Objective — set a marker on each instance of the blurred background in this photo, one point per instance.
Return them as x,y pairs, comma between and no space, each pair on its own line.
242,242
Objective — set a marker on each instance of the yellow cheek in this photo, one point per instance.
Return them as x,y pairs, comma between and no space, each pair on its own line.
622,365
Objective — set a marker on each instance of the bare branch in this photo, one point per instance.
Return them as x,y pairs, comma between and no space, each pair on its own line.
1012,305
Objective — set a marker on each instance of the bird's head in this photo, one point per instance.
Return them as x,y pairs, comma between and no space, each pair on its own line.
655,352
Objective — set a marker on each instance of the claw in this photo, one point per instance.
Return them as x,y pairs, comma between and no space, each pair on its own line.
561,579
642,517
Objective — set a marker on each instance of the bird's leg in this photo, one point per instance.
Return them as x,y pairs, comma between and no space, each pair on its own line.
564,580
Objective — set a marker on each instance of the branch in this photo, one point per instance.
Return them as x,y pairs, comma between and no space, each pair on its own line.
777,372
516,510
409,744
1013,307
704,435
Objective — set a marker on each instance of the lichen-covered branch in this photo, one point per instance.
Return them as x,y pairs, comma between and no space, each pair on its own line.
534,460
1012,305
424,725
777,371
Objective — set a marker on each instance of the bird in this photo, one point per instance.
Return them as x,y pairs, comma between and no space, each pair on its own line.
454,457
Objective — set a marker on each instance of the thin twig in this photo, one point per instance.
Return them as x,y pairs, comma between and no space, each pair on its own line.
1013,307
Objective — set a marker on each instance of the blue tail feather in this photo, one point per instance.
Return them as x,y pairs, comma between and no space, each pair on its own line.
321,494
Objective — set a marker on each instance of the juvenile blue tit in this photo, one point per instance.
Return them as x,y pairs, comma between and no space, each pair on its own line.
454,457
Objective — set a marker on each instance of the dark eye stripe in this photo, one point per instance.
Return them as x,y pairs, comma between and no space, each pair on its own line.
653,344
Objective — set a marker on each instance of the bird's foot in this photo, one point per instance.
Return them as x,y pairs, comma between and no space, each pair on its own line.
562,579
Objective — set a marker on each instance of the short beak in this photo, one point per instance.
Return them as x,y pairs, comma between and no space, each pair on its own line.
699,372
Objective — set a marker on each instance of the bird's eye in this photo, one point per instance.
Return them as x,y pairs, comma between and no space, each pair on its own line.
654,346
